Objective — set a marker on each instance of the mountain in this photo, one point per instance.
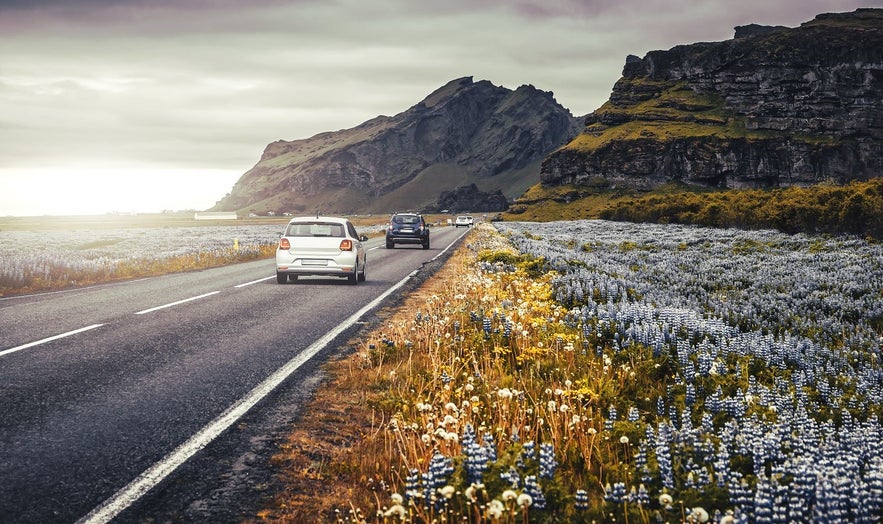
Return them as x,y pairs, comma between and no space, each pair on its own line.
774,106
461,134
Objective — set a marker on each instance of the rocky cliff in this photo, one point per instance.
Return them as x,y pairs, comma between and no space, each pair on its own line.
465,132
774,106
465,199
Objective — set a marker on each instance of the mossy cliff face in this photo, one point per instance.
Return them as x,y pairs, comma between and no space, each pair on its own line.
772,107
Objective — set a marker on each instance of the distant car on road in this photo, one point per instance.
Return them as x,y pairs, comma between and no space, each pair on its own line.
407,228
325,246
464,220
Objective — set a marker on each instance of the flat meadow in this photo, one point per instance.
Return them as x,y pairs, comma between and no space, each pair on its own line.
56,253
594,371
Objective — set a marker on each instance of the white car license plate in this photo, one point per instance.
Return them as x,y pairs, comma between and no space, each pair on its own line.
313,262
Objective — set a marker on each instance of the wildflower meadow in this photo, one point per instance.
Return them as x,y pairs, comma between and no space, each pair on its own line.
52,259
594,371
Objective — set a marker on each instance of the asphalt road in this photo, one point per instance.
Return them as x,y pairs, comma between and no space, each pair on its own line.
99,386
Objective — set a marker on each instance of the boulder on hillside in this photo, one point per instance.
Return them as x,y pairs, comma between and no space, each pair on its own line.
469,199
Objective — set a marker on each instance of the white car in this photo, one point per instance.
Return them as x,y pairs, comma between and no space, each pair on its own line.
463,220
323,246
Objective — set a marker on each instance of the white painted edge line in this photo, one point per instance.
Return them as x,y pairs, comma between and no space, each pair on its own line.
151,310
253,282
147,480
50,339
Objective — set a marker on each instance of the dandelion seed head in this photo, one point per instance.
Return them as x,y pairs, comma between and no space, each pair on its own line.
396,511
524,500
495,509
698,515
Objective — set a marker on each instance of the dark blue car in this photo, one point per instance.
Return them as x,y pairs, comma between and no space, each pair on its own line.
407,228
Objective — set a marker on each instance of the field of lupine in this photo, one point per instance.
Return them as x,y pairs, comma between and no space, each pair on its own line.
53,259
610,372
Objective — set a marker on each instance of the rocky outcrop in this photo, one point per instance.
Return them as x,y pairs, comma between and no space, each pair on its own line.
773,107
469,199
464,132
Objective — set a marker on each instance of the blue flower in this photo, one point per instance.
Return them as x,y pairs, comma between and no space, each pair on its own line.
547,460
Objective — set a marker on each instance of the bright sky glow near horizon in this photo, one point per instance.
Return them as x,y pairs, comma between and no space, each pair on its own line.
152,105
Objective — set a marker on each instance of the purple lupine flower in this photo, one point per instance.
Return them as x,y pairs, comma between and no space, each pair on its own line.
581,500
512,477
532,488
634,415
528,454
547,460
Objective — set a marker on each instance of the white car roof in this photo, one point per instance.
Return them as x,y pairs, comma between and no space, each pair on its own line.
338,220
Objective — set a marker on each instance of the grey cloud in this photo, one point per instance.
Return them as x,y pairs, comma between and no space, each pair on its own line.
171,81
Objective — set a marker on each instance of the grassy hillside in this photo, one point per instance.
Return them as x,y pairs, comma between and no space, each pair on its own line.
856,208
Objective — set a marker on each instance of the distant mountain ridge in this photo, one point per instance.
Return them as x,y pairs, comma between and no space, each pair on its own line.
463,133
774,106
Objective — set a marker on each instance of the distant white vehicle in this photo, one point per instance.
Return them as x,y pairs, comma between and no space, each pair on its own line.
464,220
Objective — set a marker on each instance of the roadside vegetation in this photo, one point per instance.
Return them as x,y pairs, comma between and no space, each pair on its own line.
595,371
855,208
62,258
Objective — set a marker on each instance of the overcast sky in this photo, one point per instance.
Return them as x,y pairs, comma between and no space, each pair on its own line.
146,105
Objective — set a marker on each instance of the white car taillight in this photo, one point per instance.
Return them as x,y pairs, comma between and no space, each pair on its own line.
346,245
284,244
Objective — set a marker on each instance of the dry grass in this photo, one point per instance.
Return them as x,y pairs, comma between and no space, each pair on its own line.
323,463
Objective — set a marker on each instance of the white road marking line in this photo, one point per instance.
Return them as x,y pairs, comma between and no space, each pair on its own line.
151,310
147,480
253,282
50,339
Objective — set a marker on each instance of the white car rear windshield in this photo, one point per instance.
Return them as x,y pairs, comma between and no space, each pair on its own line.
315,229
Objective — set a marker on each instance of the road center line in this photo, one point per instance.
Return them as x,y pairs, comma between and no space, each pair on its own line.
151,310
50,339
253,282
147,480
